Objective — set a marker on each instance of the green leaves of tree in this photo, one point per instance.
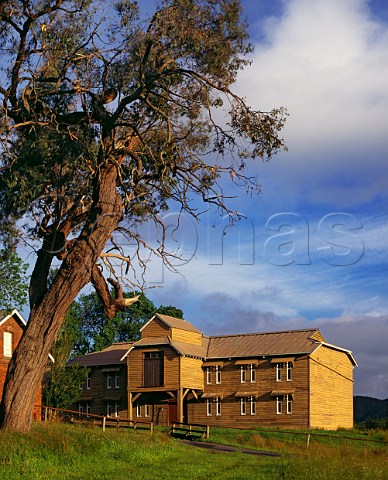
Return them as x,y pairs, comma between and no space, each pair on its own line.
13,281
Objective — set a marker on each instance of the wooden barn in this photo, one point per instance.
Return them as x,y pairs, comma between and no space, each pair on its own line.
175,373
12,326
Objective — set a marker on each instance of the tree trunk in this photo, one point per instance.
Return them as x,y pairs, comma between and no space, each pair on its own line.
30,358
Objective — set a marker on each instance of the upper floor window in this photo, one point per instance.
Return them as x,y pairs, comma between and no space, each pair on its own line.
218,374
7,346
289,367
252,368
108,380
208,375
153,369
278,372
89,381
117,380
243,373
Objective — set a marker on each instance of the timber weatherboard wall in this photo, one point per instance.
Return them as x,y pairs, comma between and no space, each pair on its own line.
331,386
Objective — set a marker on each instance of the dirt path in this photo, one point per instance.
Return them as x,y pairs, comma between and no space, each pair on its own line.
215,447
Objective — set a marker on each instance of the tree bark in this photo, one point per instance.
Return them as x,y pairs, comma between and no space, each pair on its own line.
47,316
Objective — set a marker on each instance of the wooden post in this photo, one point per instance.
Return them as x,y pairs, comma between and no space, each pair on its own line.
180,405
308,441
45,414
152,427
207,431
103,423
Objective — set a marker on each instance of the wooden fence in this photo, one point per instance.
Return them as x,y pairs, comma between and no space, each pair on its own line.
104,421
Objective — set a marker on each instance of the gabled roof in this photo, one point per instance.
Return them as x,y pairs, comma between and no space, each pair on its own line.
182,348
173,322
109,356
4,317
290,342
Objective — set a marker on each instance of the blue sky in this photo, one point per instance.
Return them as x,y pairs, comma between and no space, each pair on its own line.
313,250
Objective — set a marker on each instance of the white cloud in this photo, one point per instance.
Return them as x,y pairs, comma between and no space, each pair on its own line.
327,62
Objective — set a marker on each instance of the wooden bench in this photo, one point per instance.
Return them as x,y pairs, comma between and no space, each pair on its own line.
189,431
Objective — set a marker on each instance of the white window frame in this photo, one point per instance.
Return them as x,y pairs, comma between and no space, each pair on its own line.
279,405
208,375
138,410
218,374
289,404
89,381
108,380
116,411
289,367
117,380
253,405
80,407
209,407
109,409
7,344
243,374
243,406
147,410
252,368
278,369
88,408
218,406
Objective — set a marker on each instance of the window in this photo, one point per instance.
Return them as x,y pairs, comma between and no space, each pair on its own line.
253,373
278,372
278,405
218,374
80,408
109,409
208,375
88,408
218,406
89,381
243,406
147,410
253,405
209,407
116,411
108,380
153,369
138,410
243,373
7,347
289,366
289,404
117,380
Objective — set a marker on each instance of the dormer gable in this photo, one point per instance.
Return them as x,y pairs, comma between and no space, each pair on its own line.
175,328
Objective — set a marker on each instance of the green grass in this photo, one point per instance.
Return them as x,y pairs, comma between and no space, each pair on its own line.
54,451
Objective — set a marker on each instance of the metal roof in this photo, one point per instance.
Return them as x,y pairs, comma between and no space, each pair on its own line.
291,342
109,356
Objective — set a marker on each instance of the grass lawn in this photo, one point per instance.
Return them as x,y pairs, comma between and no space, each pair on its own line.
54,451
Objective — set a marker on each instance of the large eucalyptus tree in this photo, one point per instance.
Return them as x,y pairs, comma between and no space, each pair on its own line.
107,119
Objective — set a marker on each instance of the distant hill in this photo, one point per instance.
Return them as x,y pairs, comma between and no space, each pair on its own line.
368,407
